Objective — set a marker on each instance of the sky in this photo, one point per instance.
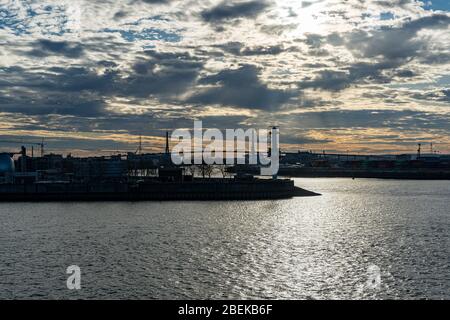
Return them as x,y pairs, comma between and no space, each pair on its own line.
90,77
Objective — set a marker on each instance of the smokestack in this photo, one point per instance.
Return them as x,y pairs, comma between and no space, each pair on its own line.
167,143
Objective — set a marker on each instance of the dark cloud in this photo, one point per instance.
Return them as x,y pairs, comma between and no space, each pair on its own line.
64,91
395,43
315,65
354,119
306,4
405,74
389,48
162,73
154,1
60,79
37,103
442,95
224,122
154,73
83,91
436,58
240,88
228,11
295,138
393,3
361,72
44,48
239,49
69,144
328,80
119,15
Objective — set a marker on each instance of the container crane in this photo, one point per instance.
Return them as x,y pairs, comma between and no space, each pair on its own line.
40,144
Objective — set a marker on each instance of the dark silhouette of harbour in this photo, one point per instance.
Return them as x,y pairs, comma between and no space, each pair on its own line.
418,166
130,177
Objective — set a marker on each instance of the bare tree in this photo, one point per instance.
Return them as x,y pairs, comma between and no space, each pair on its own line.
207,170
222,169
191,170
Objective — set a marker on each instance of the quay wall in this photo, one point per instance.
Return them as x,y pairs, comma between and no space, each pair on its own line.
214,190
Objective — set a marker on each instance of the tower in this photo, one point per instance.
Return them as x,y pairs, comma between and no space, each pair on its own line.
139,149
167,143
275,151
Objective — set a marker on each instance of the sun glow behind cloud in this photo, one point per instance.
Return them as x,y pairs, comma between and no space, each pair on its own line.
309,16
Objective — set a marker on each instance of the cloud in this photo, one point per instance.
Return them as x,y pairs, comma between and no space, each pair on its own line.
155,1
240,88
239,49
397,42
227,10
44,48
357,73
166,74
433,95
83,91
389,48
146,34
393,3
366,119
62,106
405,74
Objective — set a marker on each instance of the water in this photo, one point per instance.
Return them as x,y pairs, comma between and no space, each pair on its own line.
361,239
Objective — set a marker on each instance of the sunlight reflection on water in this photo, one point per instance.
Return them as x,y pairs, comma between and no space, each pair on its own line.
361,239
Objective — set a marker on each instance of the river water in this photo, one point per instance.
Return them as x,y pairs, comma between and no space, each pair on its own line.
362,239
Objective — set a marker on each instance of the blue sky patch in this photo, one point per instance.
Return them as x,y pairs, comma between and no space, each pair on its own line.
147,34
9,20
443,5
387,16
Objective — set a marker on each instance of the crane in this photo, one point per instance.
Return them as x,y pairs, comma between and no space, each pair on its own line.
40,144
